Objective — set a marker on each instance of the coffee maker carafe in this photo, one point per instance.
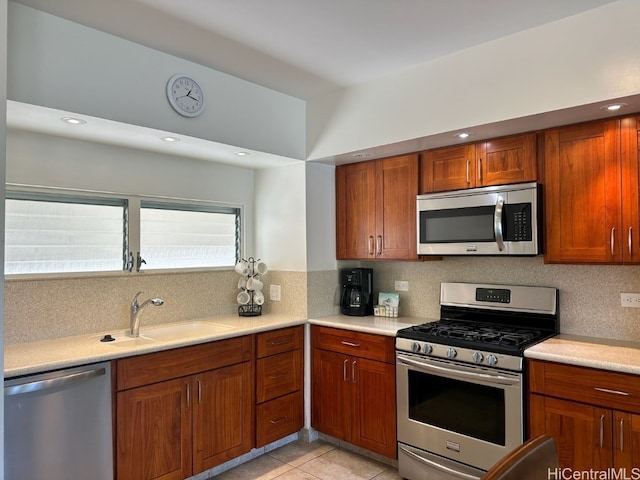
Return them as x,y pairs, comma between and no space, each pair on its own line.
357,291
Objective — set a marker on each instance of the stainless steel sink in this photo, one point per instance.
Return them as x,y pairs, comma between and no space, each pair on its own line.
183,330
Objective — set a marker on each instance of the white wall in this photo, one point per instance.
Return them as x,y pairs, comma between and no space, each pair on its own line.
280,214
575,61
321,217
60,64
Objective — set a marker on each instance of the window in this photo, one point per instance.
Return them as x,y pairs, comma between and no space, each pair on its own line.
56,233
45,234
183,236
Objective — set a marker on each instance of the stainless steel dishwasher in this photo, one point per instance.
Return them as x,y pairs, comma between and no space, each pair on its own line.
58,425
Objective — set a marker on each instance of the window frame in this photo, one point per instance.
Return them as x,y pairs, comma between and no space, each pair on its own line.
131,223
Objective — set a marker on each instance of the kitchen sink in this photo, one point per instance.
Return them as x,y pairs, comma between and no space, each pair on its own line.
181,330
128,342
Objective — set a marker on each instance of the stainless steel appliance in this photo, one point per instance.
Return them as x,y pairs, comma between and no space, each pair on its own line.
500,220
460,382
58,425
357,291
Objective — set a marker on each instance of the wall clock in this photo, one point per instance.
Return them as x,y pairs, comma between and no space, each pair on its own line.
185,95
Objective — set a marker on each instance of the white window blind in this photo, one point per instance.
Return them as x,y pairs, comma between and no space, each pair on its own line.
49,235
187,236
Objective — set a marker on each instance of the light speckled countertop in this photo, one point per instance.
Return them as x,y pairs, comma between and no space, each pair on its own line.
614,355
370,324
35,357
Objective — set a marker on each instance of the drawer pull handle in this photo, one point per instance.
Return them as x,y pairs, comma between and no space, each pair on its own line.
278,375
349,344
276,343
278,420
615,392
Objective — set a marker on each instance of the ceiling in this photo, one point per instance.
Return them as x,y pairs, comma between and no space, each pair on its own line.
302,48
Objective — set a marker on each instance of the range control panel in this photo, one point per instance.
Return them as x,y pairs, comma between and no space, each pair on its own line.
495,295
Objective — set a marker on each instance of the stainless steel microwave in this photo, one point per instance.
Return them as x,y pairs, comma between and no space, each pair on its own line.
499,220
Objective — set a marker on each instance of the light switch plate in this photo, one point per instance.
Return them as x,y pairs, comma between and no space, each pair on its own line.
402,286
274,293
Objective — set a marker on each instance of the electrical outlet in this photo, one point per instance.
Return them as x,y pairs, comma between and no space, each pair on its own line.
274,293
402,286
630,300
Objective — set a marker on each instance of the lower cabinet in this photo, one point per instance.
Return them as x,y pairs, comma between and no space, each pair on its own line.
353,388
180,412
592,415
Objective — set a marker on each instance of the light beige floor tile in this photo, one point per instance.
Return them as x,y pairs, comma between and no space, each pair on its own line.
340,464
297,474
264,467
297,453
388,475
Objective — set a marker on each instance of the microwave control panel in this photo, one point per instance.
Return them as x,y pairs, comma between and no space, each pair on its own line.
517,222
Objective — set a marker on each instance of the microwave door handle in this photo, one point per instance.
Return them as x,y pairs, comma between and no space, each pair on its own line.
497,222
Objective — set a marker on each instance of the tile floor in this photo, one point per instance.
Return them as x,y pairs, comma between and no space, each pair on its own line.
318,460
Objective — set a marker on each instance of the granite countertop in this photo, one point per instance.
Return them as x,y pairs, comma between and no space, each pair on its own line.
41,356
613,355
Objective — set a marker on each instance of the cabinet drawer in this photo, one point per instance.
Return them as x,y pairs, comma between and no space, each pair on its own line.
278,341
586,385
180,362
278,375
278,418
358,344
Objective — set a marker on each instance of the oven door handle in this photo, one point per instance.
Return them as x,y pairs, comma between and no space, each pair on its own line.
436,465
495,379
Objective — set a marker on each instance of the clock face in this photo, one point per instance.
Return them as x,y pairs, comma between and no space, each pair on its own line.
185,95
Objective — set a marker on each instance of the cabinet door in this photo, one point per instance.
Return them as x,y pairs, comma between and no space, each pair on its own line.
582,194
153,431
583,433
223,415
630,190
373,417
450,168
506,160
331,398
355,211
396,188
626,440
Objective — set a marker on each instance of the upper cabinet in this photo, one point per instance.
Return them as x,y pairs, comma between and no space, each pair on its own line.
493,162
591,193
376,209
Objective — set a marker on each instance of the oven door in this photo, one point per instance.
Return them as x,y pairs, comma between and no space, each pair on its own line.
469,414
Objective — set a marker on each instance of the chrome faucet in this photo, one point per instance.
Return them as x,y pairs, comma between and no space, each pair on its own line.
136,310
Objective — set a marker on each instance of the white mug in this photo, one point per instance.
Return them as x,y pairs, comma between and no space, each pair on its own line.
254,284
261,268
242,268
243,298
242,282
258,297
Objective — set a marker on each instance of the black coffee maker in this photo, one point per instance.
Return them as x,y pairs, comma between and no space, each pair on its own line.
357,291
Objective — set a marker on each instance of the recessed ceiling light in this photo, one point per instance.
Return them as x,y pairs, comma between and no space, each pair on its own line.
73,120
242,154
170,138
463,135
613,107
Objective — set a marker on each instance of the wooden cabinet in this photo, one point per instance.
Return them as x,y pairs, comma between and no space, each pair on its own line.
592,414
182,411
279,384
493,162
353,388
591,193
376,209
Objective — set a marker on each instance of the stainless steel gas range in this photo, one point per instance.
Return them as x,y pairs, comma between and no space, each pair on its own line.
460,387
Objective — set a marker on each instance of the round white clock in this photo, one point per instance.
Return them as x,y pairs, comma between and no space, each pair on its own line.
185,95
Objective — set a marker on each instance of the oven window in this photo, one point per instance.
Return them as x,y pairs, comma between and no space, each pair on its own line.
472,224
466,408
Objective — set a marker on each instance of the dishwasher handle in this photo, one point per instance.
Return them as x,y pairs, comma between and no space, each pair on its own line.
40,385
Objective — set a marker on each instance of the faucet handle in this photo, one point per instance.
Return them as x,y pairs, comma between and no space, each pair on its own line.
134,302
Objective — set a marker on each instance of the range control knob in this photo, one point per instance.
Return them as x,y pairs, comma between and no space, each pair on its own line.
492,360
427,349
477,357
415,347
451,352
